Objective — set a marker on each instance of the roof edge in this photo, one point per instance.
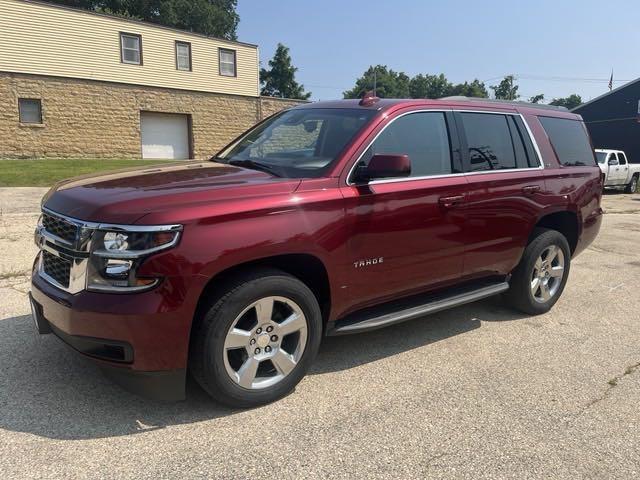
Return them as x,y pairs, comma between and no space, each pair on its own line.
600,97
45,3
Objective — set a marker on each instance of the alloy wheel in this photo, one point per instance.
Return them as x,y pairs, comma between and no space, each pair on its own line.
265,342
547,275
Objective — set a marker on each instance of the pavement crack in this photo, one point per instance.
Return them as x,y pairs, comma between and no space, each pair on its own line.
434,458
611,385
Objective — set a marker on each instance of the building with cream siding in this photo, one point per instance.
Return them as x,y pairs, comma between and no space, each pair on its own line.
75,83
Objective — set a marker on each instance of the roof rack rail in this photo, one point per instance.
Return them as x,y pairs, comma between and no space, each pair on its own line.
505,102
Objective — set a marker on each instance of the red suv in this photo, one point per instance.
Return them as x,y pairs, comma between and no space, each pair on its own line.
326,219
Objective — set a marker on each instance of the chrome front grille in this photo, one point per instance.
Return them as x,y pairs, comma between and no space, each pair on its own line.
57,268
65,245
59,227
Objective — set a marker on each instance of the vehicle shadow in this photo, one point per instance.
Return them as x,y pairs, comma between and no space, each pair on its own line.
50,391
348,351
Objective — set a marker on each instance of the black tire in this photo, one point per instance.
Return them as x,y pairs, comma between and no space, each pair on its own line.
210,330
519,294
632,186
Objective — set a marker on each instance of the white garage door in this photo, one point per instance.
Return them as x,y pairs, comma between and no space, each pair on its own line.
164,135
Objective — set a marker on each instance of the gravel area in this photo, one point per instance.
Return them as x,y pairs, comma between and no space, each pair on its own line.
475,392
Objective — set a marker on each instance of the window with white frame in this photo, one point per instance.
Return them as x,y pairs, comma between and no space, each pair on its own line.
131,48
227,62
183,56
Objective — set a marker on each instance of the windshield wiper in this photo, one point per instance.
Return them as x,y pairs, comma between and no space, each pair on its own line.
254,165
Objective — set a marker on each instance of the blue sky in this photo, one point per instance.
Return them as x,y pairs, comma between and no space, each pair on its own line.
552,46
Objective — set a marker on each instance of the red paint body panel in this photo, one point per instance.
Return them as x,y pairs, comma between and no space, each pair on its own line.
233,215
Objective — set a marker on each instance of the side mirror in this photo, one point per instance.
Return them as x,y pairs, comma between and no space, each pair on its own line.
386,166
613,161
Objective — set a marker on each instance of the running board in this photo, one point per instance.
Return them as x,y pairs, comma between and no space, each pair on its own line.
396,312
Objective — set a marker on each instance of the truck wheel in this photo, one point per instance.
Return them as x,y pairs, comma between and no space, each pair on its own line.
540,277
257,339
632,186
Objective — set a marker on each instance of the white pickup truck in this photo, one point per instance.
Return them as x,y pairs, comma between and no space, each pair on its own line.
618,172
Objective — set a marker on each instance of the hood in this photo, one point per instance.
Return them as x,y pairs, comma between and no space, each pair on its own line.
124,196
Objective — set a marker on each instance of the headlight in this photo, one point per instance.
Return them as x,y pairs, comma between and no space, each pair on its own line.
115,241
117,254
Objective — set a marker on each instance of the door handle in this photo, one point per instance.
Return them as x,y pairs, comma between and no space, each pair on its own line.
531,189
450,202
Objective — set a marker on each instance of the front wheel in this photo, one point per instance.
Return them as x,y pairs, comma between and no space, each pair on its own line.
541,275
256,341
632,186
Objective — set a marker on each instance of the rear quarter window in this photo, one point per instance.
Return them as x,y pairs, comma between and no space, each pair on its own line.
569,140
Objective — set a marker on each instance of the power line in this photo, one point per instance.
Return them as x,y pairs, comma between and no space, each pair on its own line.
555,78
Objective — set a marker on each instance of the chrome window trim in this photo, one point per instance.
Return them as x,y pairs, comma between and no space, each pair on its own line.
447,175
78,253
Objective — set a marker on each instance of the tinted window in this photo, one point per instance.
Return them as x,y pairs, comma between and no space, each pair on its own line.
570,141
518,145
489,141
423,137
622,158
613,157
299,142
523,135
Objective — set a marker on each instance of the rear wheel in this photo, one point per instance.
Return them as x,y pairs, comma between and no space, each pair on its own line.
632,186
257,341
540,278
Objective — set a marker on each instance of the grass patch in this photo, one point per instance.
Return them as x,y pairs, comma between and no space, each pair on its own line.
44,173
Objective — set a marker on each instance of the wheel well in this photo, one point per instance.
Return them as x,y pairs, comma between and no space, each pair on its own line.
307,268
564,222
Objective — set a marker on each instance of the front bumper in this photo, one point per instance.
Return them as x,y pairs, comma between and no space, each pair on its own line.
139,340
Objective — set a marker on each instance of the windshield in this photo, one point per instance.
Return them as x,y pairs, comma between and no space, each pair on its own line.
297,143
601,156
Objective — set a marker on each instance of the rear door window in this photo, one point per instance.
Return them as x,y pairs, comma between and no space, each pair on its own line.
569,140
495,142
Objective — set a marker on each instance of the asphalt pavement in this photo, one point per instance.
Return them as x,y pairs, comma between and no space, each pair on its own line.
479,391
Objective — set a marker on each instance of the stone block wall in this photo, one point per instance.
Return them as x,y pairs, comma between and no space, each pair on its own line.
89,119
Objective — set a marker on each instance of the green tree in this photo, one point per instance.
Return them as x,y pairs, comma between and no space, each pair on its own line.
279,80
429,86
506,89
536,98
388,83
572,101
473,89
209,17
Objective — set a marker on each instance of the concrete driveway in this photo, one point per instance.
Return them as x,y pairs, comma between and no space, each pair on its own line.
475,392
